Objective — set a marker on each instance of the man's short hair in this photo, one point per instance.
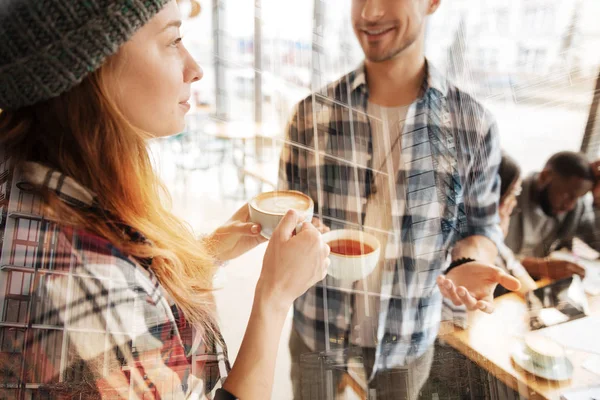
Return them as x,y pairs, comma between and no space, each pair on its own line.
569,164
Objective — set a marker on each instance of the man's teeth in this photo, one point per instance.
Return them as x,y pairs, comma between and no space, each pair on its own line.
376,32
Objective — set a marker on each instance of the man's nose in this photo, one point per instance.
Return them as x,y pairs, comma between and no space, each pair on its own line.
372,10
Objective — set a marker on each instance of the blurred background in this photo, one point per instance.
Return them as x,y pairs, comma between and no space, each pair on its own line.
533,63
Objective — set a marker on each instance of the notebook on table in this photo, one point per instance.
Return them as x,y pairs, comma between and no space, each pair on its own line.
561,301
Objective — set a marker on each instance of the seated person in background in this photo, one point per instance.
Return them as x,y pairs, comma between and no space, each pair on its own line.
510,188
555,207
447,360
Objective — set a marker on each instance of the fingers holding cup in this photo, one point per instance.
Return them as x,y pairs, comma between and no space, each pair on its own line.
267,209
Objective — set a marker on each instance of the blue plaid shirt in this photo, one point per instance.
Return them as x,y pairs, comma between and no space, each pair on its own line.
446,189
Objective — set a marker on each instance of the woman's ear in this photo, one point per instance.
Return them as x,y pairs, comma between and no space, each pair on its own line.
433,6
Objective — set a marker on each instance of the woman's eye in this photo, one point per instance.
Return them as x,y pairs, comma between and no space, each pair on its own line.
176,42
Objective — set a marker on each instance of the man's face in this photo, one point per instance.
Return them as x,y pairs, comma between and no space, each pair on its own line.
385,28
563,192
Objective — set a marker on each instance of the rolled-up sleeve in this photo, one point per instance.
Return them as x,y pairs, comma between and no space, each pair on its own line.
482,183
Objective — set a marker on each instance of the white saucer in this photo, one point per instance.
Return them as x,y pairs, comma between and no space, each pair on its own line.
559,371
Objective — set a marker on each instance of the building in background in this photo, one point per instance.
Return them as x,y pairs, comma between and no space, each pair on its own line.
533,63
518,41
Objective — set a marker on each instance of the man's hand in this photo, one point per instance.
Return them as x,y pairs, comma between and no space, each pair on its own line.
321,227
473,285
552,268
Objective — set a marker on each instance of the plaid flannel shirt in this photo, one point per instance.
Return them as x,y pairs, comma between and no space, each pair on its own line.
100,324
445,189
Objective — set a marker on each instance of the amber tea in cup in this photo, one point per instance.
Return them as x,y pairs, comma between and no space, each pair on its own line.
354,254
349,247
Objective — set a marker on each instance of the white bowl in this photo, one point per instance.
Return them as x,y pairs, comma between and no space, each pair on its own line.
348,268
269,220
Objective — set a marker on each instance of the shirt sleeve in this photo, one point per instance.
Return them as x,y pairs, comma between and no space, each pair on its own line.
508,260
223,394
455,314
121,334
481,191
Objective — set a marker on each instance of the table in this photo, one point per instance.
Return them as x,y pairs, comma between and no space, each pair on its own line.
239,132
193,150
490,338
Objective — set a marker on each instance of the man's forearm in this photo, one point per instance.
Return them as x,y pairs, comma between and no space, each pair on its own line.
536,266
477,247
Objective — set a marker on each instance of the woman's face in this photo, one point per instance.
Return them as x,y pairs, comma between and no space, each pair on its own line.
151,75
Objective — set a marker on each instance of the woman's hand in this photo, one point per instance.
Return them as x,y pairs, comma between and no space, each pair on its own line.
292,264
235,237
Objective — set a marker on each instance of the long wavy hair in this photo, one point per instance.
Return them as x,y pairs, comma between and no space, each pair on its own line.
83,134
509,172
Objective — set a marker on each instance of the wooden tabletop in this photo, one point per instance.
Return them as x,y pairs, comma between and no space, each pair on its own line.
490,338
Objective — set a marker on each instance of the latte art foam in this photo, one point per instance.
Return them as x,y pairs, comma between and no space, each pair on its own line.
281,202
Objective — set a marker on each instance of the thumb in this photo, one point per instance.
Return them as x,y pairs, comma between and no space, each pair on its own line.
287,226
508,281
576,269
246,228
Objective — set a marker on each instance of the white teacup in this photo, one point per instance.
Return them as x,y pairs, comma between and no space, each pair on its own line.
544,352
267,209
352,265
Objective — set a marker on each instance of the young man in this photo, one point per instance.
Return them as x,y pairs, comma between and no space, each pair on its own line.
394,149
552,209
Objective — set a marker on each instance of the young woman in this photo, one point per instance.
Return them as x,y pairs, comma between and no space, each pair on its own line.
510,188
121,303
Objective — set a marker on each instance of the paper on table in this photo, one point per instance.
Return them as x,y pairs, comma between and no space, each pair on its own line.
592,364
551,316
592,393
580,334
591,282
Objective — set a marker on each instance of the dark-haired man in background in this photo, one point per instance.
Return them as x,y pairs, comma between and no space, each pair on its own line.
553,208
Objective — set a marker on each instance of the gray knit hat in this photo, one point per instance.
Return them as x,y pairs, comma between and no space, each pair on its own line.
49,46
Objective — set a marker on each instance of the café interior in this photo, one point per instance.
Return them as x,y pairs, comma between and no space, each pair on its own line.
535,65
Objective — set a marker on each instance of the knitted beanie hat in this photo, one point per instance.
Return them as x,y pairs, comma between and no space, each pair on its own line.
49,46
